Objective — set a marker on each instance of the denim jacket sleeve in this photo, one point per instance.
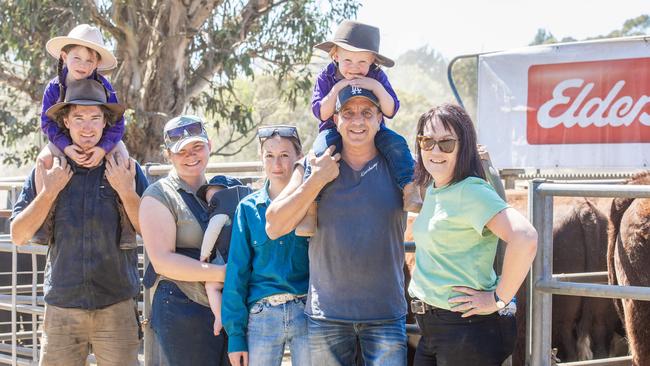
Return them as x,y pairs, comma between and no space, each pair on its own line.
114,133
234,310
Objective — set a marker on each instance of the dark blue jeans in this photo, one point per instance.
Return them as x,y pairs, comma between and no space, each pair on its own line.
182,331
391,145
449,340
383,343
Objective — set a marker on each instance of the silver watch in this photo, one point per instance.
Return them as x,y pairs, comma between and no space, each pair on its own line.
500,303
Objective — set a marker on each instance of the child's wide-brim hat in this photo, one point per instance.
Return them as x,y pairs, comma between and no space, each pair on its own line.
86,92
354,36
87,36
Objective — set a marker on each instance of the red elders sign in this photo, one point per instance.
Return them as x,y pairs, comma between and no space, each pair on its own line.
589,102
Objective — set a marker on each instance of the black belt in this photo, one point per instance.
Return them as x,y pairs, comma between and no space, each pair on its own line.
420,307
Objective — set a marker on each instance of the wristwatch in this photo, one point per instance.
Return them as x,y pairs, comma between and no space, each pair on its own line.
500,303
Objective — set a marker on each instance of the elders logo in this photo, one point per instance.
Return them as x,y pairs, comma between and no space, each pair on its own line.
589,102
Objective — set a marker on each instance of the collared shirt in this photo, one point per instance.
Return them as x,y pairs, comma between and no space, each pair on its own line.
112,133
330,76
356,257
453,245
85,267
258,266
189,234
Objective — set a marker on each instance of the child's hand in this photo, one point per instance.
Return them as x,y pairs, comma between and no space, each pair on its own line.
94,156
217,325
365,82
75,153
340,85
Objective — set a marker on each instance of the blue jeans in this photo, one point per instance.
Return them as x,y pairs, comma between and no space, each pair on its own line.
270,328
479,340
391,145
183,331
383,343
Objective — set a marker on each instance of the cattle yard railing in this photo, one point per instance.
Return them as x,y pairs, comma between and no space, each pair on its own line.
543,284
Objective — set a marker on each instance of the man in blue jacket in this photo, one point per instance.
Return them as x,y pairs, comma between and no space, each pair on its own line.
90,283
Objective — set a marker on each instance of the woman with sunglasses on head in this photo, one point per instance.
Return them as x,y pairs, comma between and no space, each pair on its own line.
463,309
172,221
266,280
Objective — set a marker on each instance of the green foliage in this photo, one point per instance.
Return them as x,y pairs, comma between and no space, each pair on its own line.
174,57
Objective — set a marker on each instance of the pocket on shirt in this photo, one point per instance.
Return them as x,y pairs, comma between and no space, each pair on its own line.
106,191
258,239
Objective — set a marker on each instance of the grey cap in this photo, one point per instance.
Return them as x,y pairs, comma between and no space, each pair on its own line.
176,136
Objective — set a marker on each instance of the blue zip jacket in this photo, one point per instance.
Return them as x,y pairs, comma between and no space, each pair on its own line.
258,266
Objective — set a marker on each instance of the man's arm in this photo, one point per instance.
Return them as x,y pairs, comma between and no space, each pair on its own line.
26,221
286,210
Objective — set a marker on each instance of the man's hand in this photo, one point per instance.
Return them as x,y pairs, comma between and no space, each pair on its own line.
94,156
76,153
238,358
325,168
56,178
120,174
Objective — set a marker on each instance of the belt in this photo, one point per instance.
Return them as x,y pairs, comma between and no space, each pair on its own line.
280,299
420,307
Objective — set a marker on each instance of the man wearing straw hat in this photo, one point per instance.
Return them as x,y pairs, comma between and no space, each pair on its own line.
90,284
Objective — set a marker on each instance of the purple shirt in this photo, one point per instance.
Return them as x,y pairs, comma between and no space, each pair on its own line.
330,76
112,134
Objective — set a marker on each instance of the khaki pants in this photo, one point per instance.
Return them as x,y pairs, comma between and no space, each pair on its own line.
112,332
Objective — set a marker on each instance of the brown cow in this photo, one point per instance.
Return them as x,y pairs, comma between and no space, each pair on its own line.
628,263
583,327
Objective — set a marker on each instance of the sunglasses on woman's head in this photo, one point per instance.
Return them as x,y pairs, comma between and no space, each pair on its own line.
264,133
446,145
178,133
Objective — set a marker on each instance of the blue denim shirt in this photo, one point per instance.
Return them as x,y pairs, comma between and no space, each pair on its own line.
86,268
258,266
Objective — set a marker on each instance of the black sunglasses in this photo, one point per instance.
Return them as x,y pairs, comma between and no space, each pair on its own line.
427,143
266,132
179,133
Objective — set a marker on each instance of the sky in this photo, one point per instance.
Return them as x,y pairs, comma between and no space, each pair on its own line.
455,27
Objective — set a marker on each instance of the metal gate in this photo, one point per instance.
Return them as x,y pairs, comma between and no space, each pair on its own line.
543,284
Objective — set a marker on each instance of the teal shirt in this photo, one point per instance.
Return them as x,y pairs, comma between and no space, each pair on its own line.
258,266
453,246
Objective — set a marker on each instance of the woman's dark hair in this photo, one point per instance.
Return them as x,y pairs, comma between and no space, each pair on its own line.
453,118
60,64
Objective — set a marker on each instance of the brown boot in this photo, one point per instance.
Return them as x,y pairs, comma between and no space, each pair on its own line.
411,197
307,226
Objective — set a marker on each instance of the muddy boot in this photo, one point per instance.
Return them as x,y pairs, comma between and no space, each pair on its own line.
307,226
411,197
128,238
44,234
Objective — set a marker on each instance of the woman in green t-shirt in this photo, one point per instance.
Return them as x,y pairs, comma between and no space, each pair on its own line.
463,309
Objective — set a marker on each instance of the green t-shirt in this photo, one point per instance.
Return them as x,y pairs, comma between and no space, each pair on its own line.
453,246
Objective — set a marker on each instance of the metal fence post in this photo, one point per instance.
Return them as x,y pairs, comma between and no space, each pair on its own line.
541,309
14,293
